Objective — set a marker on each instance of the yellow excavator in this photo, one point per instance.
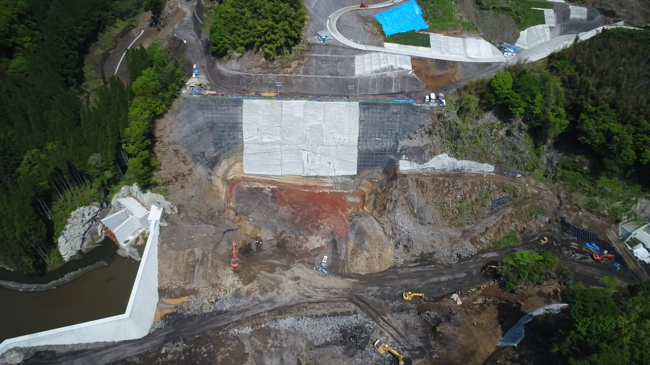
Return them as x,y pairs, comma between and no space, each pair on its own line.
543,241
408,296
384,348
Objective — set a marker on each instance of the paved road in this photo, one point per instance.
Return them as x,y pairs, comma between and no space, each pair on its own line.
533,54
332,28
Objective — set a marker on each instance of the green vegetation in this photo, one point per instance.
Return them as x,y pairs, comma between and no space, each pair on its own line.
526,268
521,11
510,239
590,99
607,327
269,26
411,38
54,154
443,15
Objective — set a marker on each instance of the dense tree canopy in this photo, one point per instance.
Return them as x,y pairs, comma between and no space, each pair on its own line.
531,268
270,26
607,329
607,84
54,154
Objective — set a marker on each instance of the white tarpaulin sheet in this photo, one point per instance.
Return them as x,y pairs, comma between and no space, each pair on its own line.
298,137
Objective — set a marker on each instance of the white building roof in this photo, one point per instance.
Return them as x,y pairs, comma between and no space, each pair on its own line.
641,253
134,206
116,219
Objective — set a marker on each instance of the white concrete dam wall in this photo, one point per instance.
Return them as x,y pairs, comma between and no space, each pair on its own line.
134,323
303,138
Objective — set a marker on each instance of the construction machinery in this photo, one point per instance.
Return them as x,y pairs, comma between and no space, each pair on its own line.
408,296
598,257
384,348
363,5
543,241
234,261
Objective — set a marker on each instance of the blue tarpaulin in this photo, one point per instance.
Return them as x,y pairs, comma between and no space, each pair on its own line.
403,18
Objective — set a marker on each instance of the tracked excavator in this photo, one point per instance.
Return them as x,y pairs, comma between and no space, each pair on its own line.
598,257
408,296
384,348
543,241
234,261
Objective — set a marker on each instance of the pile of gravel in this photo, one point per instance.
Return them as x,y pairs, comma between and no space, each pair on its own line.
451,255
317,330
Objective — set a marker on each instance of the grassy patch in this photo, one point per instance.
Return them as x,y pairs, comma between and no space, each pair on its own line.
66,204
105,40
604,194
56,260
521,11
411,38
443,15
462,214
92,78
510,239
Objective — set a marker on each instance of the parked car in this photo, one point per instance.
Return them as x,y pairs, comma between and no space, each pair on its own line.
427,99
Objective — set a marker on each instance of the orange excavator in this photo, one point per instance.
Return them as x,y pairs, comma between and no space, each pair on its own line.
598,257
234,261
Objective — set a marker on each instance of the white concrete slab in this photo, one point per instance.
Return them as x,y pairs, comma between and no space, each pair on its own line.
315,138
369,63
534,36
577,13
549,16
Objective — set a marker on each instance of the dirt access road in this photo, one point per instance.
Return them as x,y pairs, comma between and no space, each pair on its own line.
296,284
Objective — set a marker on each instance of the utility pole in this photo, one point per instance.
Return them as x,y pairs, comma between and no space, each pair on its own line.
350,88
278,84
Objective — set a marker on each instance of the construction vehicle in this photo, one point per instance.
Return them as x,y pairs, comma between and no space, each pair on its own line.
408,296
234,261
363,5
543,241
598,257
384,348
492,265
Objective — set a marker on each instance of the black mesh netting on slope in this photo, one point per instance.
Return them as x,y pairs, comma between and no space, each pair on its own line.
584,235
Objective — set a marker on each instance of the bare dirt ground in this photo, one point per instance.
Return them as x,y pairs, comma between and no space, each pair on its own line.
383,232
384,235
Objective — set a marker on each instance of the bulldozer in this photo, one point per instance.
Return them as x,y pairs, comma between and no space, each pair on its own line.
384,348
408,296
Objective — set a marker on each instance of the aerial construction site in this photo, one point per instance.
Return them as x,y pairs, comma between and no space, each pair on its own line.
331,224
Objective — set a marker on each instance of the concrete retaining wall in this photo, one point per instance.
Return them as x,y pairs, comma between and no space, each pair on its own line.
134,323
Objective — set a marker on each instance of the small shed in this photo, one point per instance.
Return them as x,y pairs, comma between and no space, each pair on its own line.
323,35
126,224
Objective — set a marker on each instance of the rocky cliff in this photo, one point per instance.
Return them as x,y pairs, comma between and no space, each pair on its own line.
77,230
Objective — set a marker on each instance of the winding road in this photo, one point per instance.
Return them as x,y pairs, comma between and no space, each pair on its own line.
530,55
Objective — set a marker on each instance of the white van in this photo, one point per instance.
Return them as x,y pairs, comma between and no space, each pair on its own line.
426,99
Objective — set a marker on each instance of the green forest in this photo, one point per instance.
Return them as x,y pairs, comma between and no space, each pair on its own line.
604,325
268,26
592,99
56,154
